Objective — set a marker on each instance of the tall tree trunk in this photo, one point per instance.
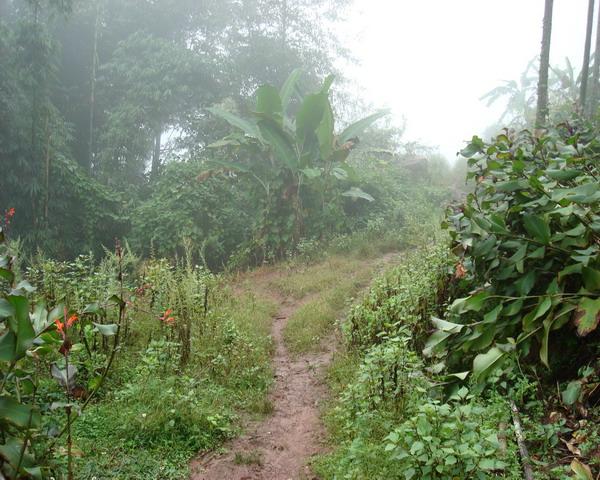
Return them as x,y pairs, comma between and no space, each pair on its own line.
156,154
542,100
593,103
585,71
93,90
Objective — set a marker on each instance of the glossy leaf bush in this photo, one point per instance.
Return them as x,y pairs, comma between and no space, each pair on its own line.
528,238
295,160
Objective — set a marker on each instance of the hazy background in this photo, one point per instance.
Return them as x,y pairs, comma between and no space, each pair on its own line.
431,60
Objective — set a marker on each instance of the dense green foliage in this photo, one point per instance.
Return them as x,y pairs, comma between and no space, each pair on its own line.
99,96
177,341
204,136
295,162
390,420
527,238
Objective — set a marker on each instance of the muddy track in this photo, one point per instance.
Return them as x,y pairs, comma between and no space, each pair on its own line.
292,434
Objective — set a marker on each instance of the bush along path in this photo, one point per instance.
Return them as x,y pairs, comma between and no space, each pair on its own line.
310,300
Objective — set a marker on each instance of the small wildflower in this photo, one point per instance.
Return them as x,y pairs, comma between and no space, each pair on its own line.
460,271
72,319
60,327
8,215
166,318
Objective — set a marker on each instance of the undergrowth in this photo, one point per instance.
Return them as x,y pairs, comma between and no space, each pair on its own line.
332,284
388,416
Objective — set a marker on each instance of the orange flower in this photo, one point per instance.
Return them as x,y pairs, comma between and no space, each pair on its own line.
166,318
60,327
72,319
8,214
460,271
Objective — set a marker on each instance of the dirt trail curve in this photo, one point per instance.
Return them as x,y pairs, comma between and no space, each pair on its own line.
287,439
292,434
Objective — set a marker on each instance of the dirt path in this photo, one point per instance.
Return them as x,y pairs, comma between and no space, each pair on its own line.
279,447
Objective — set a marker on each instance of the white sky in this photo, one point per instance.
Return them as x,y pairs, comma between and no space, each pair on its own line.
430,61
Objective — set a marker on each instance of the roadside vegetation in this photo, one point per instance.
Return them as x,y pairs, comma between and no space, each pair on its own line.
151,173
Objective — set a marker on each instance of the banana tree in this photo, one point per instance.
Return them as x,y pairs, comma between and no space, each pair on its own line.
284,153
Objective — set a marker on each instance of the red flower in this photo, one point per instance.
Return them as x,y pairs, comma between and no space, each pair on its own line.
166,318
60,327
8,215
72,319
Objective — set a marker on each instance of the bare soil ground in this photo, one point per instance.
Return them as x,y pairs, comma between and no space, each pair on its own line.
279,447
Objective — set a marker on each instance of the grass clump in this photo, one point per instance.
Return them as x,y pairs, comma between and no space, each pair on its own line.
253,457
336,281
160,413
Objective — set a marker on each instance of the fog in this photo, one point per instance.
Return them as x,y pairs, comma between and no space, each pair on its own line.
430,61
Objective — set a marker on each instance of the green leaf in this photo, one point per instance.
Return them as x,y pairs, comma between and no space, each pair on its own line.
485,363
280,142
537,228
22,326
563,175
64,377
95,382
247,127
40,318
581,470
571,394
356,192
8,343
434,340
475,146
327,83
325,132
474,303
355,129
577,231
446,326
548,322
311,172
18,414
268,101
6,308
93,308
587,316
117,300
583,194
7,275
309,116
591,278
512,186
526,283
108,330
288,88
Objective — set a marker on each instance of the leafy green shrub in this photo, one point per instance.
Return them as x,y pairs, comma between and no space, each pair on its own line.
388,378
293,162
528,237
447,441
35,413
408,295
